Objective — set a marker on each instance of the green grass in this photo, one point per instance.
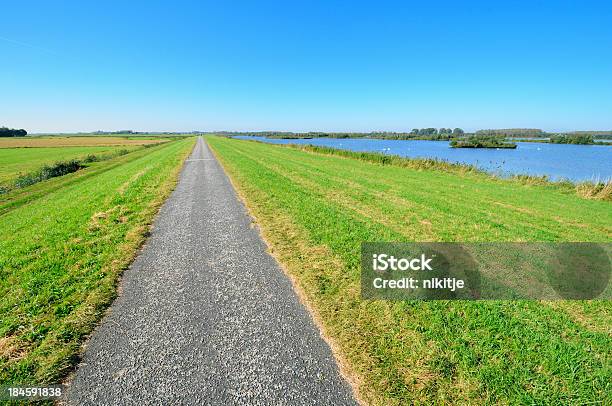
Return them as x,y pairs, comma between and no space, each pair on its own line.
16,161
315,209
63,244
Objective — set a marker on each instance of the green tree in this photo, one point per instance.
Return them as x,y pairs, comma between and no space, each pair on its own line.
12,132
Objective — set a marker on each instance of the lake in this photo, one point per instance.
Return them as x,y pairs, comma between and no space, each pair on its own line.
557,161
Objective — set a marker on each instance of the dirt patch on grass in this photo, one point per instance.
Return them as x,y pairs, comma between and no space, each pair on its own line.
127,184
583,314
10,349
598,191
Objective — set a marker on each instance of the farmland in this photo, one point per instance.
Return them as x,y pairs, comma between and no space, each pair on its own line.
65,241
314,209
24,155
16,161
56,141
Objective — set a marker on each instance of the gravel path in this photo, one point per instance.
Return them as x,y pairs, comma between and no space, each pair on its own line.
205,314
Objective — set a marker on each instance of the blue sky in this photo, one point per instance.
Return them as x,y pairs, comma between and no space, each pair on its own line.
316,65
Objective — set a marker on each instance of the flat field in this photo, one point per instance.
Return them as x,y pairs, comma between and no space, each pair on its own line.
63,244
84,141
17,161
315,210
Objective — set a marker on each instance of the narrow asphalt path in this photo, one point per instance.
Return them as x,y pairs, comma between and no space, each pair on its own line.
205,314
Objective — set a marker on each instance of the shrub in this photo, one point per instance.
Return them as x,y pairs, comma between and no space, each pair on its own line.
597,190
26,180
48,171
91,158
60,169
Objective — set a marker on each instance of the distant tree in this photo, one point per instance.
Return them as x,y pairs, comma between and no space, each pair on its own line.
12,132
513,132
427,131
584,139
458,131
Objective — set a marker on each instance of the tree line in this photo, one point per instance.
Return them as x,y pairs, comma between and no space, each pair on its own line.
433,131
513,132
594,134
482,141
417,133
12,132
580,139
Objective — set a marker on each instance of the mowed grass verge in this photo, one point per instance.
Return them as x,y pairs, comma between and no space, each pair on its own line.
63,244
316,209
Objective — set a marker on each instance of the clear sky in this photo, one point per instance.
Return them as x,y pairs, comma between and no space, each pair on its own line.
309,65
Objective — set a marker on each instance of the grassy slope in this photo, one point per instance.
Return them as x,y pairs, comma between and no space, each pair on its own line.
315,210
15,161
63,244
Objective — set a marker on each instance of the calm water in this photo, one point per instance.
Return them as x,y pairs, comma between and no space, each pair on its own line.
574,162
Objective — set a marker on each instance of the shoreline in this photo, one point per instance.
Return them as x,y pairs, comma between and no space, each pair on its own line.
564,184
